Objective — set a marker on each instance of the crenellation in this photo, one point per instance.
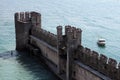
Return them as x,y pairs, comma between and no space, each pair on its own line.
27,16
36,19
69,36
69,32
63,49
22,16
80,53
59,33
69,27
44,35
95,55
102,64
94,60
103,58
88,56
66,29
79,36
16,16
73,30
79,30
112,62
112,68
99,63
87,50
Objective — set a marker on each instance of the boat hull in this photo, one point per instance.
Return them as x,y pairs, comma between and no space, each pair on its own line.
101,43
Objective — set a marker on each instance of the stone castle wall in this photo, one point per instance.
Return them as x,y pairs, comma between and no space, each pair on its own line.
44,35
63,53
99,62
45,48
84,74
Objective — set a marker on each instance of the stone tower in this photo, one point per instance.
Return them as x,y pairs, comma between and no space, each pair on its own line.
66,46
24,21
73,40
59,47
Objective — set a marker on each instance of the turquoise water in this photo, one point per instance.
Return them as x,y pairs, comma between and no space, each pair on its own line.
97,18
17,67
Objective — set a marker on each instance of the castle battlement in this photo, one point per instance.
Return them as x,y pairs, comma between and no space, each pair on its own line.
63,53
99,62
44,35
23,16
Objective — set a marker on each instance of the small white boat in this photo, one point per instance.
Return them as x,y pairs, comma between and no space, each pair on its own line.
101,42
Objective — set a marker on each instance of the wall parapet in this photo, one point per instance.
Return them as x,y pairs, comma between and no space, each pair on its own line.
44,35
23,16
29,17
99,62
94,72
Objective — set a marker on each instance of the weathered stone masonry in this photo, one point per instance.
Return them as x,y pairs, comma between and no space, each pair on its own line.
64,54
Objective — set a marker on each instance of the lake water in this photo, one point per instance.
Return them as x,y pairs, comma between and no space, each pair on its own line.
23,67
97,19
